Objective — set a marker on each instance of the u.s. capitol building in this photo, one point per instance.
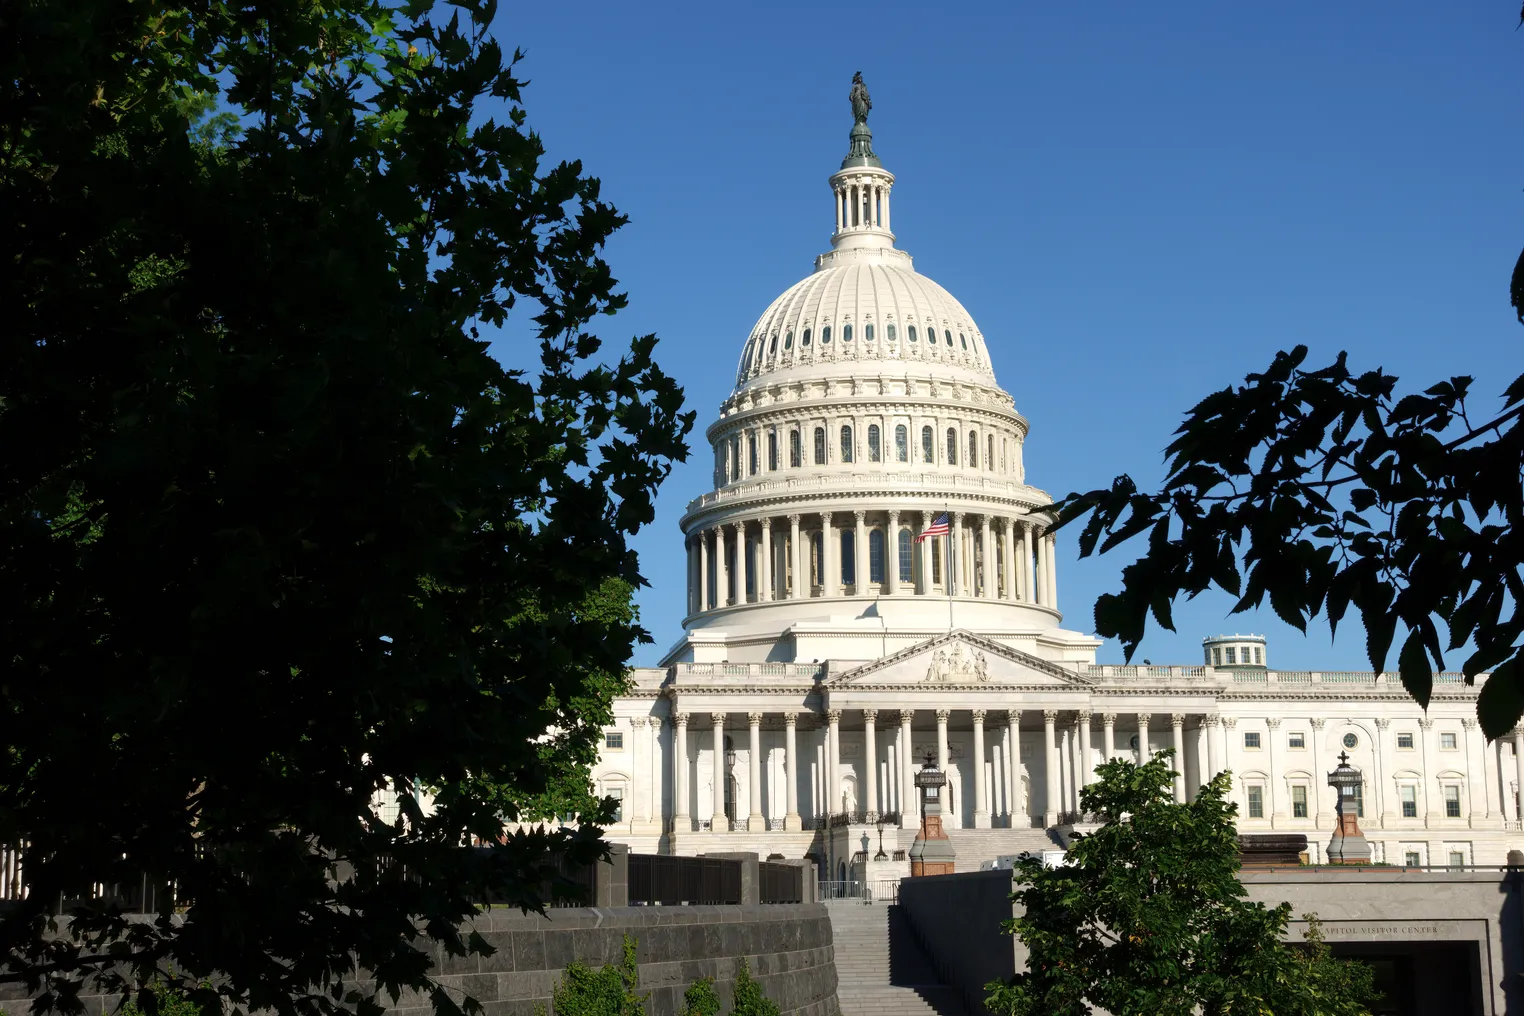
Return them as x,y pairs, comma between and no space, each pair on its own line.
828,648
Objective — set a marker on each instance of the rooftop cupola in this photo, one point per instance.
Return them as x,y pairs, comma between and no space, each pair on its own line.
861,187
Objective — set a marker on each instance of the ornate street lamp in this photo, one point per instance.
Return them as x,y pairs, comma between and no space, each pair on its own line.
730,784
932,852
880,856
1348,845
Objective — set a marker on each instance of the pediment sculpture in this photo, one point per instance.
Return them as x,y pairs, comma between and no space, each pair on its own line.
958,664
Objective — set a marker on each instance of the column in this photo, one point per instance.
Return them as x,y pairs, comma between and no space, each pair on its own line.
830,574
1044,590
838,209
1483,814
892,553
955,576
1050,745
1518,761
692,553
832,793
717,820
756,822
743,564
870,764
1272,802
1431,795
909,803
1109,734
924,587
1201,758
680,820
1317,761
799,580
1143,755
988,583
1028,575
1214,754
721,569
981,787
791,769
653,748
703,583
1052,555
765,552
860,569
1087,760
1008,560
1011,759
942,715
1177,726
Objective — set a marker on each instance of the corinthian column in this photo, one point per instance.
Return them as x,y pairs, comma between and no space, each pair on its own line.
1028,575
909,805
721,569
1008,560
765,552
955,577
942,715
830,573
681,823
892,553
703,583
744,570
1050,745
987,580
755,821
717,819
791,821
870,764
1087,760
797,577
981,790
1177,724
833,762
860,569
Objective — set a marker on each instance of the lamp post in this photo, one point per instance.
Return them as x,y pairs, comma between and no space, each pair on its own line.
730,786
880,856
932,852
1348,844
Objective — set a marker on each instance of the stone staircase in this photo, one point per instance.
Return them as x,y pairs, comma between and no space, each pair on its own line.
881,969
976,845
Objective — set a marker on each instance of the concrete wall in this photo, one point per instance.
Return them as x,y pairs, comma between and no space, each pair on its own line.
788,947
957,919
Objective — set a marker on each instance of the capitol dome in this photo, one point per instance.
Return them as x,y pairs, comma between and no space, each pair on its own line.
868,468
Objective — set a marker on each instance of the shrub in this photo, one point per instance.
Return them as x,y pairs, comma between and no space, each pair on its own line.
700,999
584,991
749,999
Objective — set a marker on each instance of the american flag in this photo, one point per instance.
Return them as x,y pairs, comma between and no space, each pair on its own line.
938,527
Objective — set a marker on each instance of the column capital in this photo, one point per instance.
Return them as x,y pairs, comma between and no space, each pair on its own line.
1426,722
791,718
740,527
1382,723
979,715
638,722
1109,719
1469,722
833,715
1230,722
859,515
907,715
1273,722
1143,719
870,716
1212,720
1177,719
1013,717
925,519
1318,722
766,522
794,518
957,518
755,719
943,714
1083,716
894,516
1050,715
681,719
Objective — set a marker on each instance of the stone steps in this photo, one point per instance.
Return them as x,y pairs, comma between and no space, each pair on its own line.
880,968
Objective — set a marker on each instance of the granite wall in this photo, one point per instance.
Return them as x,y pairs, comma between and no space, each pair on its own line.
957,919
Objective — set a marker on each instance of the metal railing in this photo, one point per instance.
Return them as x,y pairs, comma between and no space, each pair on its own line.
780,883
674,881
886,890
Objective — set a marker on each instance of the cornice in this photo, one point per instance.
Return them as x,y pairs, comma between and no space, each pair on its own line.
749,507
864,404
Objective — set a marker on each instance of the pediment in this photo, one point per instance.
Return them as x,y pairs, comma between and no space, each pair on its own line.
959,659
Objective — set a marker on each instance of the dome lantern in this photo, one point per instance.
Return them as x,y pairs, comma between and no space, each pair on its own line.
861,187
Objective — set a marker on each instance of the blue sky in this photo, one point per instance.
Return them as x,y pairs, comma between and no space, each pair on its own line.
1138,203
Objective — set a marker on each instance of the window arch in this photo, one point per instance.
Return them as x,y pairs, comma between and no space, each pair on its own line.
848,555
907,556
805,340
901,443
794,453
846,333
875,447
952,446
751,453
875,555
846,443
989,458
947,335
973,450
868,333
820,446
910,332
963,339
928,446
891,331
772,451
825,335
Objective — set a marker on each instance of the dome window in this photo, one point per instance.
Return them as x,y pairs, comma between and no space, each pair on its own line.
819,446
963,339
806,340
875,443
795,454
928,446
875,555
846,444
772,347
846,333
901,443
952,446
907,556
891,333
867,333
788,340
825,335
910,330
989,458
947,335
973,450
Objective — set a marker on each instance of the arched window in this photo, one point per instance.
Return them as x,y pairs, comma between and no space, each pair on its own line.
719,464
825,335
735,458
846,333
751,453
947,335
867,333
891,331
952,447
989,460
846,444
806,340
794,453
875,449
848,555
772,451
875,555
788,340
817,558
936,559
928,446
901,443
907,556
819,446
1005,454
963,339
910,331
772,347
973,450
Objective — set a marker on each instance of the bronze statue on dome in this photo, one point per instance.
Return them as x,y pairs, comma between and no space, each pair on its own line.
861,103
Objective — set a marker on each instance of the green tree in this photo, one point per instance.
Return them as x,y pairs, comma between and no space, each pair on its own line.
700,999
1147,916
277,535
748,998
609,991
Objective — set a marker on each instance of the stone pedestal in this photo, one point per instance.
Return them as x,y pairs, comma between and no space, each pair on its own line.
932,852
1348,845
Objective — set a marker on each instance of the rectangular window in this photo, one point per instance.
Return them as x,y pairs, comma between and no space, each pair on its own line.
1447,741
1298,801
928,446
1216,657
751,454
1259,655
1256,802
617,794
1405,740
772,451
901,443
1251,739
819,446
1231,654
736,466
1452,801
846,444
1408,795
875,449
936,559
795,454
1296,739
1412,858
613,740
1457,859
907,556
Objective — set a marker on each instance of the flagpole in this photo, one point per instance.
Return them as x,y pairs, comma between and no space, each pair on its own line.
950,560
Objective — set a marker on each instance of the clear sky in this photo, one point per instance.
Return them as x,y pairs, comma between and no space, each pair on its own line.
1138,203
